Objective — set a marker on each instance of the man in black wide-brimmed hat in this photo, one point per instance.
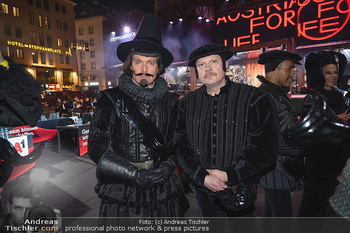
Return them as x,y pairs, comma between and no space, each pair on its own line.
131,131
227,136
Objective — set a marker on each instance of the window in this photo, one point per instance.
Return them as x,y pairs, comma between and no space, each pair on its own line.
7,30
67,59
50,55
40,21
15,11
18,32
64,11
46,5
92,42
33,37
82,55
30,2
31,18
81,31
59,25
38,3
66,43
83,66
43,58
5,8
65,26
61,59
92,54
41,39
49,41
10,51
91,30
57,7
35,57
93,65
47,22
59,42
20,53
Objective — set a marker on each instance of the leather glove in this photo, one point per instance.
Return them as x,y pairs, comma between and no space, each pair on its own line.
148,178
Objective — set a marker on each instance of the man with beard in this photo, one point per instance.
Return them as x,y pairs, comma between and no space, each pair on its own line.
227,136
136,174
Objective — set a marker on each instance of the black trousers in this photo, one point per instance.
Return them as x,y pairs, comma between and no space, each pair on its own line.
277,203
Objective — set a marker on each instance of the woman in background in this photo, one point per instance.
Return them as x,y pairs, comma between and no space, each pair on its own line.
324,163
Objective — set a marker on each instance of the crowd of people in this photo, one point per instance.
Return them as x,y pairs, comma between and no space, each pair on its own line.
72,106
228,138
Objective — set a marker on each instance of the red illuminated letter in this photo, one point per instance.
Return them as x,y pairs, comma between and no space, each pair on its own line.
252,25
323,25
268,20
221,19
288,18
320,9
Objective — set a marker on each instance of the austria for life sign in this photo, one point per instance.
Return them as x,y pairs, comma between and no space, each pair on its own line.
308,21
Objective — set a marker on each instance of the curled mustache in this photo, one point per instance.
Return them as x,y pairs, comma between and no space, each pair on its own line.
146,74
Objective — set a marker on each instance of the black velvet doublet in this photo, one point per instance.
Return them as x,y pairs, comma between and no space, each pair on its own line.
114,142
234,131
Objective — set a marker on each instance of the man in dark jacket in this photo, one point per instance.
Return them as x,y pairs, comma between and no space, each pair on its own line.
278,184
227,135
136,176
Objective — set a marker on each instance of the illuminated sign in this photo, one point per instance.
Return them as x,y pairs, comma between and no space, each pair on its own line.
122,37
35,47
308,21
54,86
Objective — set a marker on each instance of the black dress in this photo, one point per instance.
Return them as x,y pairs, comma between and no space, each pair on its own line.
323,166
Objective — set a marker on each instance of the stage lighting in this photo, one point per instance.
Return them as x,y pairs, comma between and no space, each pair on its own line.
207,20
180,19
113,33
126,29
171,22
200,17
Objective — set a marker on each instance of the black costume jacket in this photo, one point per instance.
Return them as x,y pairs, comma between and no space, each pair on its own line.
288,168
234,131
19,96
114,142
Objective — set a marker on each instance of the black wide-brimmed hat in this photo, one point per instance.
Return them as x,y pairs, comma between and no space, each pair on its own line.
209,49
148,35
272,59
314,63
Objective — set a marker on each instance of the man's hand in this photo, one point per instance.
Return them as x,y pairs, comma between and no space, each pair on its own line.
214,184
345,117
219,174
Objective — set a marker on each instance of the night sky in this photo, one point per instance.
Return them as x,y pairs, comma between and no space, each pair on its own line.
124,5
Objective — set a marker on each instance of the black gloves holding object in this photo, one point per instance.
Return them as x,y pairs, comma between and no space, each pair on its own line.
113,168
147,178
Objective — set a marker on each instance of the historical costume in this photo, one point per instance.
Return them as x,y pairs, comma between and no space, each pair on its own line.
136,177
234,131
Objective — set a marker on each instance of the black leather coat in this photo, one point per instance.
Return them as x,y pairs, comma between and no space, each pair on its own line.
289,165
114,142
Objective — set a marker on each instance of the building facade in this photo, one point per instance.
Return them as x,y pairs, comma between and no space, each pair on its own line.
91,61
38,34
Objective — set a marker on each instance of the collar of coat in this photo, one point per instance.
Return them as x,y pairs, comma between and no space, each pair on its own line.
141,94
271,85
